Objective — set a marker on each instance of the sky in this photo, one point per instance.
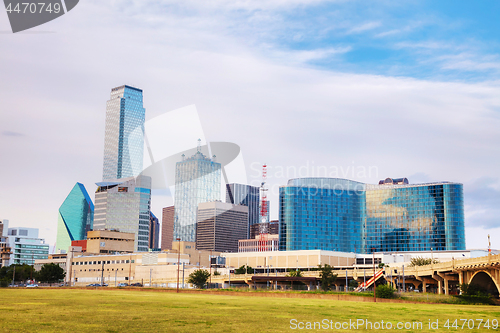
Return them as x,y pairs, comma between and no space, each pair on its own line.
363,89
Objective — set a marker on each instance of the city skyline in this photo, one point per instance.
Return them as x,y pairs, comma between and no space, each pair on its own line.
348,91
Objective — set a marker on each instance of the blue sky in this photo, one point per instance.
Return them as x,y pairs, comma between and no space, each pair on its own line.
440,40
410,88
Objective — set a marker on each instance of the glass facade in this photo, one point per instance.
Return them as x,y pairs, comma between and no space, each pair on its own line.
76,217
343,215
124,134
414,218
197,180
26,247
246,195
318,213
125,206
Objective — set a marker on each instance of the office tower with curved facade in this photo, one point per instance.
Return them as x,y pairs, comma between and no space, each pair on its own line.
393,216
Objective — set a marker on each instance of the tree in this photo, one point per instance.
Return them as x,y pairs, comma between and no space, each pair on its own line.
419,261
244,270
327,277
199,278
23,272
473,290
51,273
353,284
294,273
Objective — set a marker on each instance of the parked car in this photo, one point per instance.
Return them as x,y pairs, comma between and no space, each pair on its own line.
34,285
137,284
93,285
122,284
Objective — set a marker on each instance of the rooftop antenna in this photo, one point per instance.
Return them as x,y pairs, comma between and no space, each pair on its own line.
199,145
264,225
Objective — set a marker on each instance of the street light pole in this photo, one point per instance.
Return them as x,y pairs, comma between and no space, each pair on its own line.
178,261
183,275
210,260
404,286
374,279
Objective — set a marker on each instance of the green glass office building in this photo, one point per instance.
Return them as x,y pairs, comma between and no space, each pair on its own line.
76,216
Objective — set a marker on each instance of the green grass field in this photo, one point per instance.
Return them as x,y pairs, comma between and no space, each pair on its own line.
65,310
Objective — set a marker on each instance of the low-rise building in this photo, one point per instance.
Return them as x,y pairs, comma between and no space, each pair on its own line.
261,243
110,241
25,245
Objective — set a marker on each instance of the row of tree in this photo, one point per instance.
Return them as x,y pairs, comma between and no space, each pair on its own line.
200,277
49,273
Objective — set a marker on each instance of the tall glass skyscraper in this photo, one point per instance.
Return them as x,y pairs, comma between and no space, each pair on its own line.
197,180
124,133
76,217
394,216
125,205
246,195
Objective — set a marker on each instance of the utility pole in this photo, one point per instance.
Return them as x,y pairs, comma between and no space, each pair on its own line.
178,261
14,275
183,275
364,277
33,264
150,273
102,273
210,260
374,279
404,286
116,273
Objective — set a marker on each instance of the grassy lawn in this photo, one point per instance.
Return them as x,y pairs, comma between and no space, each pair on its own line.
63,310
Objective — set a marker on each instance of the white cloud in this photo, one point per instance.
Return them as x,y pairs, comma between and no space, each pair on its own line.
263,98
364,27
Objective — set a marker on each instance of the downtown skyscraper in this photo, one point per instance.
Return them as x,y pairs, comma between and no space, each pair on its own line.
197,180
124,133
246,195
123,198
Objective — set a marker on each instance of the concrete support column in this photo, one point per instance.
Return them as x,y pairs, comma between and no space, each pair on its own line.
440,287
446,291
424,286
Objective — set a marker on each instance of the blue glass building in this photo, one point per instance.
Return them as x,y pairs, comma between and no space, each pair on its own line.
343,215
320,213
197,180
76,216
246,195
124,133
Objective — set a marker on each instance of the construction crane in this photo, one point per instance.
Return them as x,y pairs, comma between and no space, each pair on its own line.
263,225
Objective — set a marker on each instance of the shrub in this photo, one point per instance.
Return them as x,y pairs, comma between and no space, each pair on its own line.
385,291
